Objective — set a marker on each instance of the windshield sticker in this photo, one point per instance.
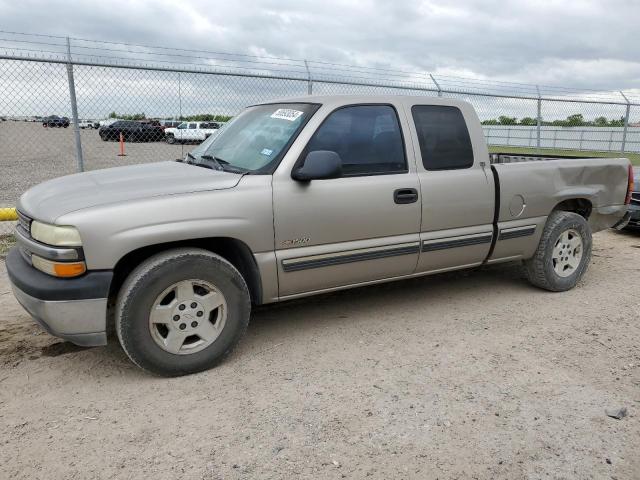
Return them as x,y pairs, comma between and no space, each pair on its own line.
267,152
286,114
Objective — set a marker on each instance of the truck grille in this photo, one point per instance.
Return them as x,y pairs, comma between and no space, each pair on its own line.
635,198
24,224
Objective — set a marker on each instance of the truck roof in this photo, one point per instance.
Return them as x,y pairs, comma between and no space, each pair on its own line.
358,99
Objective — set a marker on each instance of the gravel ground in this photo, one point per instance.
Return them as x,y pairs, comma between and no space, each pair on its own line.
31,154
463,375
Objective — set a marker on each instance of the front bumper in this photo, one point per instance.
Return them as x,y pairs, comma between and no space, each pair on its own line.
73,309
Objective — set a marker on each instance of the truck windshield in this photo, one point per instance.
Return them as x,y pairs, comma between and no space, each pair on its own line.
255,140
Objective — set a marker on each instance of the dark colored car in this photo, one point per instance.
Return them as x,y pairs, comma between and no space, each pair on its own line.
131,131
55,121
634,206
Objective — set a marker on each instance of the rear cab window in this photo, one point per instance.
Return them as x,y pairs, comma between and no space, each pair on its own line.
443,137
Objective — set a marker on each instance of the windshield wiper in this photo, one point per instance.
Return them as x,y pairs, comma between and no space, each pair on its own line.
224,165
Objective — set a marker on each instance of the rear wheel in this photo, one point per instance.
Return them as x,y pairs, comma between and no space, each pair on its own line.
182,311
563,254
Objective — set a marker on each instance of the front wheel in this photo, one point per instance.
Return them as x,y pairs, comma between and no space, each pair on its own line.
563,254
182,311
170,139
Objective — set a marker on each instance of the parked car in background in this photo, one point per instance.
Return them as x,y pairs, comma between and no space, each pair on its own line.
55,121
634,207
191,131
169,123
153,123
131,131
88,124
298,198
108,121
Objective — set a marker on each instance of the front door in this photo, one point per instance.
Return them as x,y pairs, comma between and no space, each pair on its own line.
358,228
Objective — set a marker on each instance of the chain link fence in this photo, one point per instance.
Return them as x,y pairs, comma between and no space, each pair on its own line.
62,97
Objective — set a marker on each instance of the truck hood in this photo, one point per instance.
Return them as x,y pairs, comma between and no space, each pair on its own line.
51,199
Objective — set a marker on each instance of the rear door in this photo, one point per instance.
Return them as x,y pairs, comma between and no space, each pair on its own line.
456,186
353,229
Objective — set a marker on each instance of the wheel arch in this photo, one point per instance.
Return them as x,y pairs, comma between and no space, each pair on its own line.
231,249
580,205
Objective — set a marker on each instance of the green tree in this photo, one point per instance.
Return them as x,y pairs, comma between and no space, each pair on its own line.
528,121
507,120
617,123
601,122
575,120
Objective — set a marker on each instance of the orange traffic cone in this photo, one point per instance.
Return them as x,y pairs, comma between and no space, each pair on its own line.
122,154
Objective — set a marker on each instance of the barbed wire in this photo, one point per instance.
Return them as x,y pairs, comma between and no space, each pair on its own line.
15,44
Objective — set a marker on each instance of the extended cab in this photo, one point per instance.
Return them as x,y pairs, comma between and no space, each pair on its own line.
191,131
295,198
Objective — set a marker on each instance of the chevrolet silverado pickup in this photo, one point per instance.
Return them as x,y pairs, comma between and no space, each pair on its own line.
293,198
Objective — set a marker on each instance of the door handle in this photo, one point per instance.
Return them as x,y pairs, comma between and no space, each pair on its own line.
405,195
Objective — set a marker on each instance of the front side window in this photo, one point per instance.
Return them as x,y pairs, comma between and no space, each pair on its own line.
256,139
443,137
367,138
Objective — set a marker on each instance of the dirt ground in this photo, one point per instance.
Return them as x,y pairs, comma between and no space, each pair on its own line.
465,375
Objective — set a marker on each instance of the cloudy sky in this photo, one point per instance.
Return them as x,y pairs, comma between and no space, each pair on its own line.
584,44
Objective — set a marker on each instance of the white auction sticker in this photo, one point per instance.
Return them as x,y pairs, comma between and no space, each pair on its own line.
286,114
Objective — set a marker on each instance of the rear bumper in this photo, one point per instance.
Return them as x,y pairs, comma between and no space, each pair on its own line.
634,216
71,309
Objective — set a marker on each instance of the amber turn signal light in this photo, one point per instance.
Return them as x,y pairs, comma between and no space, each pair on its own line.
58,269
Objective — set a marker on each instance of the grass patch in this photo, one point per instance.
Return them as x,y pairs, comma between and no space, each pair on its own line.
6,242
633,157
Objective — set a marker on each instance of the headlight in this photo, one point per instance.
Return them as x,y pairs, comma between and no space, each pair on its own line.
55,235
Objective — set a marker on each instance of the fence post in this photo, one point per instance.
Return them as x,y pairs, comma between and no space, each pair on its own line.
437,85
74,109
626,123
581,138
610,139
538,118
309,80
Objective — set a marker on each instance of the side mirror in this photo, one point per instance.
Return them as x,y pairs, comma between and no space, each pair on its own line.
319,165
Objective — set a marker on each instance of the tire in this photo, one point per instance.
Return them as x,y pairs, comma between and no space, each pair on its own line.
556,266
170,139
148,344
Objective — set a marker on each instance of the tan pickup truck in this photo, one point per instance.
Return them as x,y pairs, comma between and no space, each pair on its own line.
297,197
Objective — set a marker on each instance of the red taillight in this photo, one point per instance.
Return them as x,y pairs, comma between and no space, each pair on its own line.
627,199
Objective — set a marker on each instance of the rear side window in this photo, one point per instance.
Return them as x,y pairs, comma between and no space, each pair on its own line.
367,138
443,137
